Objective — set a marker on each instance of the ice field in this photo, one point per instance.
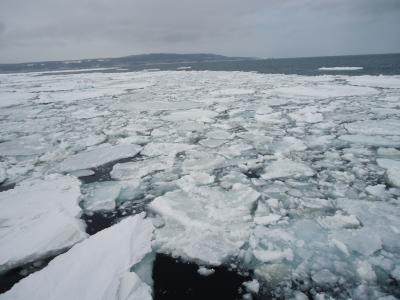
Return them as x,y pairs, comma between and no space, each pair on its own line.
293,181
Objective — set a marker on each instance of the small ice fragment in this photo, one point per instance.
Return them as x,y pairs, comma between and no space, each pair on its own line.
286,168
340,68
101,196
203,271
339,221
365,271
252,286
2,175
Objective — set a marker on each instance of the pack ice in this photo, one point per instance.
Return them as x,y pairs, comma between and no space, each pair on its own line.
292,178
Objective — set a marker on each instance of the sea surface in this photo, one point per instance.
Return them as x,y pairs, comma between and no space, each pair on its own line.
381,64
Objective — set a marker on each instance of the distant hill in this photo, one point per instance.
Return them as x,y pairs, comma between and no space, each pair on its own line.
131,61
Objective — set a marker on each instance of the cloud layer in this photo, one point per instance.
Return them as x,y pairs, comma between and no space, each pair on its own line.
70,29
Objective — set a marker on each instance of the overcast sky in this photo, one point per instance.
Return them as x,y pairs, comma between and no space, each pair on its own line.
37,30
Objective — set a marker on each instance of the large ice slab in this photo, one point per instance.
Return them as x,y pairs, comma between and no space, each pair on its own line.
204,224
39,218
98,268
98,156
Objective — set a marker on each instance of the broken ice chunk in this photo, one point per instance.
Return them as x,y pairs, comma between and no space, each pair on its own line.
203,271
267,220
307,115
24,146
39,218
2,175
101,196
361,240
286,168
392,170
339,221
97,268
199,115
365,271
378,190
137,169
252,286
388,152
370,140
164,149
98,156
375,127
205,224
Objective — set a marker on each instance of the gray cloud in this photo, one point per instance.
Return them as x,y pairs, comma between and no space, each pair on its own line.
71,29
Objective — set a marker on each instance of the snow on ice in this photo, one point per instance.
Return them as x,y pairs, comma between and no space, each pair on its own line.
39,218
98,268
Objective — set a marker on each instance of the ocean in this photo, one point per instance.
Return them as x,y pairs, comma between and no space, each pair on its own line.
382,64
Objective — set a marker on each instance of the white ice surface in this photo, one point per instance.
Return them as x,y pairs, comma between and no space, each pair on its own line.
286,168
98,156
340,68
39,218
101,196
98,268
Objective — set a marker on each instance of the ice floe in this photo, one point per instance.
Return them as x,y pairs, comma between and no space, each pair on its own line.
340,68
98,268
39,218
97,157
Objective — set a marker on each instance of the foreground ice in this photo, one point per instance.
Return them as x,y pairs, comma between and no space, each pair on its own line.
293,178
98,268
38,219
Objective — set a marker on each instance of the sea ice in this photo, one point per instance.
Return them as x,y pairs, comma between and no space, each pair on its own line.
3,175
283,168
39,218
27,145
98,156
199,115
340,68
98,268
101,196
204,224
325,91
370,140
392,170
375,127
138,169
